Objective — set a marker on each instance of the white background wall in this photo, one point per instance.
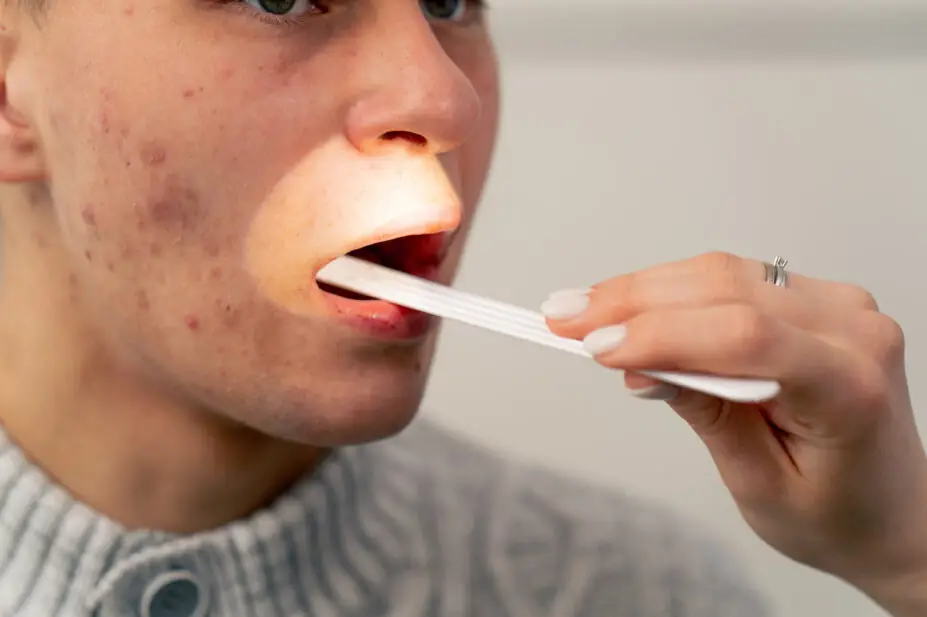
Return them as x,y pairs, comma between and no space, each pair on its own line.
627,143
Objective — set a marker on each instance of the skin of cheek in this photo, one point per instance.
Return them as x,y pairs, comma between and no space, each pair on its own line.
157,202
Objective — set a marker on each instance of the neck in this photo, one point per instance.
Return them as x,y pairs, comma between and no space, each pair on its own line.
118,441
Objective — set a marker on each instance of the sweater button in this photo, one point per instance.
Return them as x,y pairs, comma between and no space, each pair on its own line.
174,594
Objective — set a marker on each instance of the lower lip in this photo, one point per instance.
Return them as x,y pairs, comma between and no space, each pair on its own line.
382,319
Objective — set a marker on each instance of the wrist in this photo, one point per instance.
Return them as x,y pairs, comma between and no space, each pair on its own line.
894,574
901,595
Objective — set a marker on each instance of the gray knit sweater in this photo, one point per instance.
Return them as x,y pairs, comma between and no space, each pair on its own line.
419,525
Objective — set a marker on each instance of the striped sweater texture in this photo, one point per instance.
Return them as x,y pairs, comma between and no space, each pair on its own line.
420,525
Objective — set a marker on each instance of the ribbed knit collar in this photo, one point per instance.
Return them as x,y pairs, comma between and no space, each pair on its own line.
333,541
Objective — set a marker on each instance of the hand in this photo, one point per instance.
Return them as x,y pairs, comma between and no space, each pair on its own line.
832,473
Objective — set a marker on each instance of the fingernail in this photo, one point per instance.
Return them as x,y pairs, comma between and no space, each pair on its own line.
566,304
604,339
656,392
571,292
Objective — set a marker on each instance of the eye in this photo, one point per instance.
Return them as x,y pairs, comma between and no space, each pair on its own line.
283,8
445,10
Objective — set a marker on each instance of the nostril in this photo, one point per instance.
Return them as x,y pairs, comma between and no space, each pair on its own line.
412,138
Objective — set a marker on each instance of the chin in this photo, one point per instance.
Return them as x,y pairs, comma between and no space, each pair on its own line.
337,406
347,423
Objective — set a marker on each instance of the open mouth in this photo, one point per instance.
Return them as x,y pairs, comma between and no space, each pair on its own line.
418,255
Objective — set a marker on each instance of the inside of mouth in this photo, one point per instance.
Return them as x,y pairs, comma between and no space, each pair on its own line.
406,254
368,253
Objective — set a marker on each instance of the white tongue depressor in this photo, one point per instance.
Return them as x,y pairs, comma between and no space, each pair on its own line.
378,281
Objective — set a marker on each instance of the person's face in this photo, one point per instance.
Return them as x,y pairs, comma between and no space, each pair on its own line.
206,157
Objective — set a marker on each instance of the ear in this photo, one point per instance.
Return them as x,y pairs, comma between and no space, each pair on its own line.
21,157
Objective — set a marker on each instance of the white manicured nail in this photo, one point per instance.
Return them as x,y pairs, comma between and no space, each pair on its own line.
571,292
566,304
656,392
604,339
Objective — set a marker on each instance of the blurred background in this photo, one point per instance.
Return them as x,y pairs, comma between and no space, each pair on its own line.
639,133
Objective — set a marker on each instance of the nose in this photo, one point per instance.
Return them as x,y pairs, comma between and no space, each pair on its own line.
412,92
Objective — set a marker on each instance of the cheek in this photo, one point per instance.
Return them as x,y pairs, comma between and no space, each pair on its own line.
142,234
121,193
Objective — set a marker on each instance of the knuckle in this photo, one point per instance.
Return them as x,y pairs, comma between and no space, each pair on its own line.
883,337
719,261
750,331
859,297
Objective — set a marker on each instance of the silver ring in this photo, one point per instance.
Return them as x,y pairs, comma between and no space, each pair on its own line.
776,274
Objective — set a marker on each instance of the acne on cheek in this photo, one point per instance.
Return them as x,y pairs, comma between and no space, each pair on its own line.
89,215
104,122
175,206
225,313
153,155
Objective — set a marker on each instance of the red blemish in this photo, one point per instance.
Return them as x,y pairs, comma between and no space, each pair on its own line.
155,249
129,11
192,322
104,122
141,301
175,206
153,154
215,273
89,216
126,252
165,210
110,266
189,93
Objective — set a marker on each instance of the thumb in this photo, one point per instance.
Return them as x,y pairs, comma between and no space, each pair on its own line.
741,440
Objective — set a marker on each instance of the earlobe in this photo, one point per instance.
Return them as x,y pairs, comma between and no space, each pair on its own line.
20,153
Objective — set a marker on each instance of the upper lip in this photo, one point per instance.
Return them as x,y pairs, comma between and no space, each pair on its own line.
446,225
